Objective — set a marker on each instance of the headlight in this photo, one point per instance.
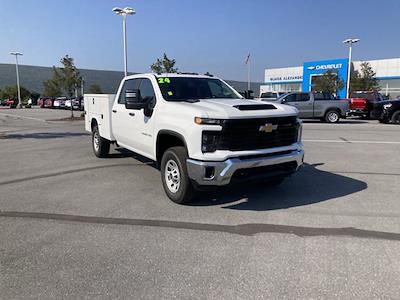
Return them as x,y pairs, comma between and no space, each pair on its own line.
209,141
207,121
299,130
386,106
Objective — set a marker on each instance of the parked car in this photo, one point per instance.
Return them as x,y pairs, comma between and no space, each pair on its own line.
49,103
11,103
390,112
271,96
62,101
199,131
68,103
41,102
78,103
56,103
316,105
364,104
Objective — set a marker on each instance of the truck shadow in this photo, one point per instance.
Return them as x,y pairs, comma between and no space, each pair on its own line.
42,135
308,186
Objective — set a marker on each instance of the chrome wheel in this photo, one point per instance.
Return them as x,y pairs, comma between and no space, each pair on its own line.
333,117
172,176
96,140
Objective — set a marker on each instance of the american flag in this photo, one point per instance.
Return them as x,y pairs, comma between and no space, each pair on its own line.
247,59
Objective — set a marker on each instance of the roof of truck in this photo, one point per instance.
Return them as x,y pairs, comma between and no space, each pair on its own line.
179,74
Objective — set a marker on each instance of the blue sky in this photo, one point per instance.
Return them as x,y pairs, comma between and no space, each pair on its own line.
202,35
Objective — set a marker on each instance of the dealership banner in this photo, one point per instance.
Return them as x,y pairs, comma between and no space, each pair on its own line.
312,69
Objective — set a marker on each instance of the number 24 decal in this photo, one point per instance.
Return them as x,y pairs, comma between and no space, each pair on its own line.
164,80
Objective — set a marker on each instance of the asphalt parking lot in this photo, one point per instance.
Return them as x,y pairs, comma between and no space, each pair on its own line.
75,226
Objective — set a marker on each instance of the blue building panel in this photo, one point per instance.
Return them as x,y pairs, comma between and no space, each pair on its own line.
316,68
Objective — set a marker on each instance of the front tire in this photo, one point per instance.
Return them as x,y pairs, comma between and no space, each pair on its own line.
332,116
396,117
176,182
101,146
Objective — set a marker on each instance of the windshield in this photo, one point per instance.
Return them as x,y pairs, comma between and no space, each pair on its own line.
186,88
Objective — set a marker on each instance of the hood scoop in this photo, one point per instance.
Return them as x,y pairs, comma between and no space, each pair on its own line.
255,107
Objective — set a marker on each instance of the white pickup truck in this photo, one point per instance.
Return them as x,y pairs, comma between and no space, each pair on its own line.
199,131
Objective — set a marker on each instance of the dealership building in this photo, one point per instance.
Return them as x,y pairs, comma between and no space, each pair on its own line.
302,78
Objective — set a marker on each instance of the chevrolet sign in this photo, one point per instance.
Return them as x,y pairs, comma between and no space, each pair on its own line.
268,127
325,67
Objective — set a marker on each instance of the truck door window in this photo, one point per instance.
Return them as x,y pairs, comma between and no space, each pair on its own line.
303,97
319,96
291,98
147,92
130,84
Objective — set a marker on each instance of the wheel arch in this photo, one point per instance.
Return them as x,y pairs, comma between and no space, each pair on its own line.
333,108
93,123
167,139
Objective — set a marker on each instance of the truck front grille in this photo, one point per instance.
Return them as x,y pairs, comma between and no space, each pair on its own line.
252,134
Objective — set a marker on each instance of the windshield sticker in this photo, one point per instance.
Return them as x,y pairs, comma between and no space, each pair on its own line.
164,80
170,93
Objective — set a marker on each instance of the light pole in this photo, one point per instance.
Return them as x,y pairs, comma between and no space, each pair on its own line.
124,12
16,54
350,42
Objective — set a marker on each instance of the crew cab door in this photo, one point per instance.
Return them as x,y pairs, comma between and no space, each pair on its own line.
322,101
302,102
144,120
133,128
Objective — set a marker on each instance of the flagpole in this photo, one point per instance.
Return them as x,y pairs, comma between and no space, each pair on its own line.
248,75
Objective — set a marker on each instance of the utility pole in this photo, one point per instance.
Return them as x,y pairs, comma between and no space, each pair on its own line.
124,12
82,83
350,42
16,54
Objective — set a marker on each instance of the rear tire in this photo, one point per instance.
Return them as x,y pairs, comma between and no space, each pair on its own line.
332,116
176,182
396,117
101,146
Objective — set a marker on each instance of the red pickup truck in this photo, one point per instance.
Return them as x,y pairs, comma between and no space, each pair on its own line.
363,104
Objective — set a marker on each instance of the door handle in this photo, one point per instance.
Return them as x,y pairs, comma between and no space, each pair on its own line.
114,111
132,114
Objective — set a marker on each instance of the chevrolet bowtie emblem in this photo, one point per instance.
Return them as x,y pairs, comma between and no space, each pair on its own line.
268,127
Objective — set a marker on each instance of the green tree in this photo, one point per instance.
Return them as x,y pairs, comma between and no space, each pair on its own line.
11,92
65,79
95,89
69,75
164,65
364,80
52,87
328,82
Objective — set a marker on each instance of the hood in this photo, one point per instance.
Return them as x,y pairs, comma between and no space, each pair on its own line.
240,108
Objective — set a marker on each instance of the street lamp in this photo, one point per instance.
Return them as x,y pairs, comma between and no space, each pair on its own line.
124,12
350,42
16,54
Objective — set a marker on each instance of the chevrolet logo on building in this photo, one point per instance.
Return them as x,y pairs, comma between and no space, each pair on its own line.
268,127
311,68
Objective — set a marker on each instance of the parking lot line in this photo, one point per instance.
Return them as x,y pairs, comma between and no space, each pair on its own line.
351,142
22,117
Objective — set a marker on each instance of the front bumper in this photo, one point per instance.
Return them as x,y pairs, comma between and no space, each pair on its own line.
220,173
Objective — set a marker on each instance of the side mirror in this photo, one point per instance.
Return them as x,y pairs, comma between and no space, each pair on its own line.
133,100
283,101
